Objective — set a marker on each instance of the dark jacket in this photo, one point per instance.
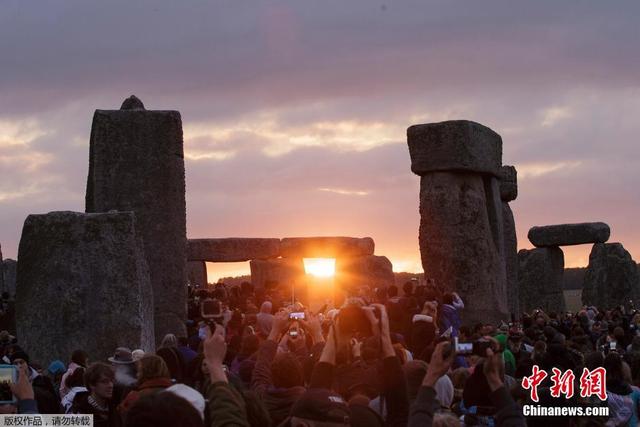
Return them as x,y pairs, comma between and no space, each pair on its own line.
46,396
150,386
424,407
81,405
226,406
394,391
278,401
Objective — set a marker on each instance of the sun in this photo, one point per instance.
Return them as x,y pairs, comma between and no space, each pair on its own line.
320,267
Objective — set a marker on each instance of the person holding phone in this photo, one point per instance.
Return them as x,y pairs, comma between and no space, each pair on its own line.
45,393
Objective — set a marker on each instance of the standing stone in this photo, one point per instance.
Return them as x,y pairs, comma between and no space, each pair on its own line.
197,273
509,192
2,286
461,226
508,183
540,279
281,270
569,234
83,282
611,278
9,273
136,163
370,271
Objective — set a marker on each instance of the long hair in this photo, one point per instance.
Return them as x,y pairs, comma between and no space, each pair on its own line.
151,366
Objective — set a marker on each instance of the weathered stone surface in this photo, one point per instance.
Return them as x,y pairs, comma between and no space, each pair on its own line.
326,247
540,279
136,163
456,145
569,234
511,259
232,249
132,103
83,282
611,278
508,183
9,274
281,271
197,273
2,286
461,241
372,271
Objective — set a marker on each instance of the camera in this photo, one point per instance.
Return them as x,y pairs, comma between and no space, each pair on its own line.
354,321
477,348
609,347
211,311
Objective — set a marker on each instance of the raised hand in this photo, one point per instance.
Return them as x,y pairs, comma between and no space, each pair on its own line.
441,361
22,389
215,349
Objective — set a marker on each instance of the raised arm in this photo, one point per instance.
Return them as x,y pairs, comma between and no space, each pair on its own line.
426,405
394,383
226,406
261,379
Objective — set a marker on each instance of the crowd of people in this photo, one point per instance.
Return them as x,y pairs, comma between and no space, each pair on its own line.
383,357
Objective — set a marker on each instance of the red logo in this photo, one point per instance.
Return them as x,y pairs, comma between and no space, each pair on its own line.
592,383
534,381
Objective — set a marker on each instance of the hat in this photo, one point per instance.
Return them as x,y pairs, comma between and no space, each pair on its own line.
6,336
319,404
137,354
122,356
56,367
20,354
190,395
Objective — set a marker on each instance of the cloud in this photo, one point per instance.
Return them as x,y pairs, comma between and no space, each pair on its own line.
345,192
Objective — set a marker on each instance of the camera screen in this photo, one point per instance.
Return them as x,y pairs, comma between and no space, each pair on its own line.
210,308
6,378
298,315
464,348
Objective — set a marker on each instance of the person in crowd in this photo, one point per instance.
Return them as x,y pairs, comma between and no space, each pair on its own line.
98,400
44,390
79,358
277,378
124,369
623,399
24,394
169,352
137,354
426,406
186,352
163,410
450,313
75,384
264,319
152,377
55,371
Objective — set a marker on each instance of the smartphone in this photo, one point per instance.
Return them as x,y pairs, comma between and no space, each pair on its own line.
299,315
8,375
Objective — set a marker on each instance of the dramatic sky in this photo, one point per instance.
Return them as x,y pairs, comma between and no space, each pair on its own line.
295,112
